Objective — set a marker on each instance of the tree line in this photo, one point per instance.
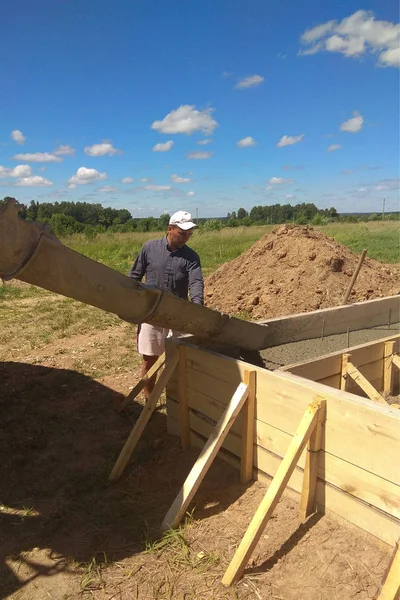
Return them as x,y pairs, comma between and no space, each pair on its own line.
67,218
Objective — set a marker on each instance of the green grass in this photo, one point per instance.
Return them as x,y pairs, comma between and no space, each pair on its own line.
381,239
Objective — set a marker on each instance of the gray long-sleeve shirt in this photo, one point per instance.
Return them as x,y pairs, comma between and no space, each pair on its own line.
176,271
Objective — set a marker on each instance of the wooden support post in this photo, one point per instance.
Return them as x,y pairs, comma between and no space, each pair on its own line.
144,418
364,384
184,417
246,462
314,445
355,274
388,368
140,385
271,498
204,461
391,587
344,375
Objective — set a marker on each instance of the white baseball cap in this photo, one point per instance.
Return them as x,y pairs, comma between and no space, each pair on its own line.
183,220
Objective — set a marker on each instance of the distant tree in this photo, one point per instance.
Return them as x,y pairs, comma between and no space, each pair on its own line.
242,213
164,220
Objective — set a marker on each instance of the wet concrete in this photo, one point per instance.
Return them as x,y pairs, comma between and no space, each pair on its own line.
287,354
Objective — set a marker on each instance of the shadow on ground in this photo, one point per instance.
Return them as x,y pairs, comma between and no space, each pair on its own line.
59,438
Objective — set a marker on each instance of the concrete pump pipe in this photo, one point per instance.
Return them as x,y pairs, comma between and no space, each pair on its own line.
30,252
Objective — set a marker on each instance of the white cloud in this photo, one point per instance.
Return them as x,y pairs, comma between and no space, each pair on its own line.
190,194
38,157
85,175
18,136
144,180
127,180
64,151
204,142
101,150
387,185
72,186
251,81
157,188
18,171
246,142
289,196
289,140
355,35
186,119
333,147
34,181
279,181
354,124
166,147
176,179
226,74
199,155
106,189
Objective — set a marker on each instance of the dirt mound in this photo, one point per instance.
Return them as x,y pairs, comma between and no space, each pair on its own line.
295,269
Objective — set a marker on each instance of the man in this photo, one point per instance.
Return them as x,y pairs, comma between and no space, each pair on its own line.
172,266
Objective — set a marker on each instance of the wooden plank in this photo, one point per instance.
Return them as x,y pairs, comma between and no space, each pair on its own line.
183,398
140,385
364,384
396,361
344,375
391,586
204,461
268,503
333,381
354,276
354,417
388,367
246,465
272,444
314,446
144,418
329,364
362,315
330,500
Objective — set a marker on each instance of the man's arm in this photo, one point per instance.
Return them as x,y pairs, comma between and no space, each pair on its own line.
196,282
138,268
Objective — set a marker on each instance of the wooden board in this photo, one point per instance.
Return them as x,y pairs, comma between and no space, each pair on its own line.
349,415
329,499
362,315
271,445
330,364
361,444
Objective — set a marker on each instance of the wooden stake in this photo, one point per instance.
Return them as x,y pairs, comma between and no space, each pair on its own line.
204,461
144,418
344,376
391,587
271,498
388,368
315,443
140,385
184,417
355,274
364,384
246,462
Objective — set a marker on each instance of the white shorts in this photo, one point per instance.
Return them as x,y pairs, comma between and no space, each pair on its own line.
151,339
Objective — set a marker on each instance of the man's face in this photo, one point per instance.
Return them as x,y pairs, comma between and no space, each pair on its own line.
178,237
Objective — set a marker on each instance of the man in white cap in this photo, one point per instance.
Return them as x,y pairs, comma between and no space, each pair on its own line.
169,264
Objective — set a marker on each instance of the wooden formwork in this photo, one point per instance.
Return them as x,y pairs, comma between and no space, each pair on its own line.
359,460
374,360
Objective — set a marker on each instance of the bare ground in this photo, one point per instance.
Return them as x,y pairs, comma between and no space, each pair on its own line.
66,533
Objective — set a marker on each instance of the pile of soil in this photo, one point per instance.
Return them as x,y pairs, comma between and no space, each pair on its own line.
295,269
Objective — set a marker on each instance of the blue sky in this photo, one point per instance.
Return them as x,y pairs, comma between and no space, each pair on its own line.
156,106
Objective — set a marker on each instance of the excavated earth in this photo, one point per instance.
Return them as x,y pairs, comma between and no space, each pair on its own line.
295,269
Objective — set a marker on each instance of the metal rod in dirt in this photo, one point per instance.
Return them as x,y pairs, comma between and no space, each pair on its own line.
355,274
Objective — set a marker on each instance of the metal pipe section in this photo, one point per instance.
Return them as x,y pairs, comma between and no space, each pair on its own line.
30,252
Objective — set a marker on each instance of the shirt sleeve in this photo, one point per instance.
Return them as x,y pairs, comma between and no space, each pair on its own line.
196,281
138,268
